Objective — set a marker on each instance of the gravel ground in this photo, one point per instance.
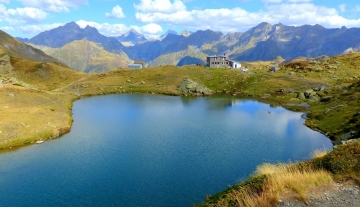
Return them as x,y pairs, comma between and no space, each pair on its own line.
334,195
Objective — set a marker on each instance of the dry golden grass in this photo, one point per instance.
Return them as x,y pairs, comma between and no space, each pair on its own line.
281,179
27,115
319,153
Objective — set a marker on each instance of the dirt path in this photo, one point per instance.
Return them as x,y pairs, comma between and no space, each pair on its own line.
344,194
63,87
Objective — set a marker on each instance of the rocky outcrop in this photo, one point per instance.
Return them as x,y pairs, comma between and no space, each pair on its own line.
311,94
7,79
5,64
190,86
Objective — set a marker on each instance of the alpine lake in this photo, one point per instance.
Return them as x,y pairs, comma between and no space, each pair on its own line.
153,150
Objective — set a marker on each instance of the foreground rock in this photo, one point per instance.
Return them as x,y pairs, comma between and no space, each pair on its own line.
190,86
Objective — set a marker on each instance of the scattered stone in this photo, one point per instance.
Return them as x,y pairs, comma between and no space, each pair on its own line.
11,95
316,89
314,98
332,108
327,111
143,82
325,99
309,93
275,68
346,136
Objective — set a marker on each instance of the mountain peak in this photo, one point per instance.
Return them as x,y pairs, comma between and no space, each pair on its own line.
71,25
264,24
185,33
132,36
169,31
133,31
90,28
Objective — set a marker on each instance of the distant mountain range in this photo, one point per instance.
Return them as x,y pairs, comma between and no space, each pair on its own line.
263,42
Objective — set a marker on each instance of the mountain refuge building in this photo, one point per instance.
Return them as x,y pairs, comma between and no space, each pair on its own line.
138,64
221,61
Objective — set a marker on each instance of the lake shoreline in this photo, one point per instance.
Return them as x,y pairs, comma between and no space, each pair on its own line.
303,107
191,136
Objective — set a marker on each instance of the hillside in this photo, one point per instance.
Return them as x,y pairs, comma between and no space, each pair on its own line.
87,56
16,48
29,110
176,57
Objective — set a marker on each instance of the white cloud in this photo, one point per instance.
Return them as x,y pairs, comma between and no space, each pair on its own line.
7,28
3,12
271,1
149,30
161,6
105,28
299,1
116,12
26,15
36,29
54,5
5,1
342,7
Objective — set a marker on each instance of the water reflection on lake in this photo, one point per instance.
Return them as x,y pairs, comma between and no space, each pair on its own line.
143,150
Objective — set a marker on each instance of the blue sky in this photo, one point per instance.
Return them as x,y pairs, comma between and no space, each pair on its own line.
27,18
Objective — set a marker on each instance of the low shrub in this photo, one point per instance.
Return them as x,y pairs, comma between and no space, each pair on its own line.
344,159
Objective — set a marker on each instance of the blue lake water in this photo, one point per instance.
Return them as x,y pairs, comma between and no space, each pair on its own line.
149,150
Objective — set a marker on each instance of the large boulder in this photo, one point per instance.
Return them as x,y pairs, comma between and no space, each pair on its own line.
190,86
301,96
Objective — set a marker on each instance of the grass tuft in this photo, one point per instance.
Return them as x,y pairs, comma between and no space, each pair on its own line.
283,178
319,153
